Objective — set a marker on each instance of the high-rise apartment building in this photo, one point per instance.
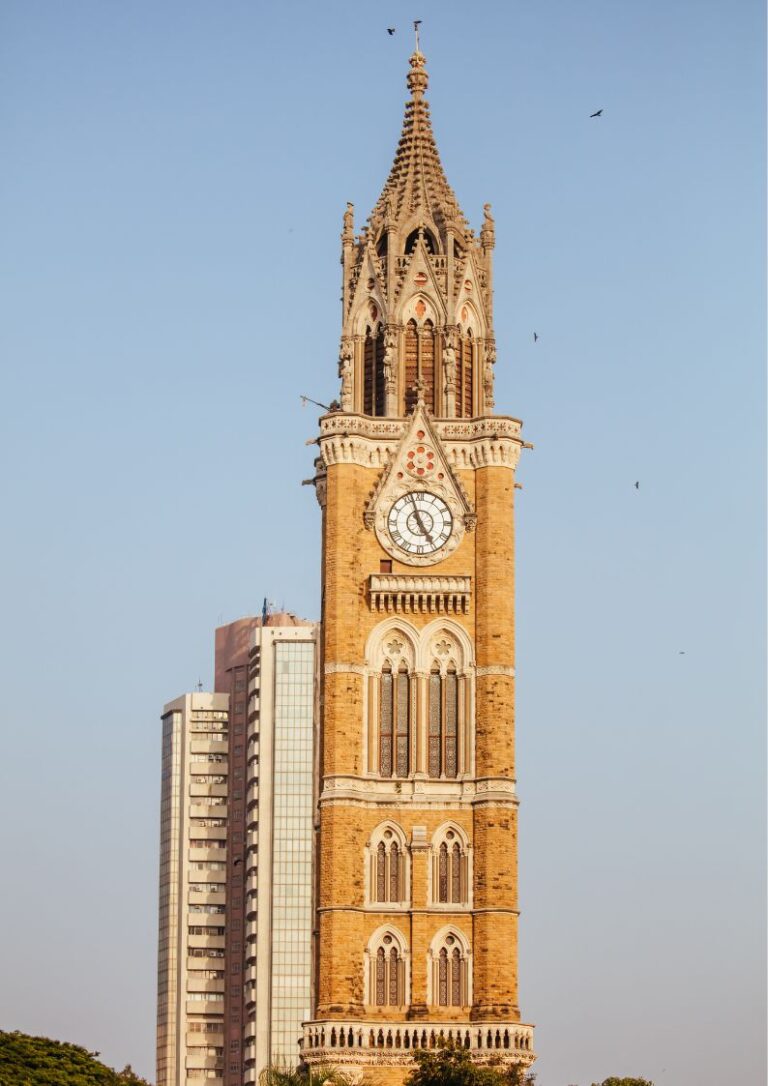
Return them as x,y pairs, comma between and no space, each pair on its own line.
234,969
417,907
192,915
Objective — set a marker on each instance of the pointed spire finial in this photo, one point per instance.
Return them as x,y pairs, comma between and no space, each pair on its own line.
417,77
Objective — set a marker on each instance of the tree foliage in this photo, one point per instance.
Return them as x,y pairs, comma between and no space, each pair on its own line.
623,1082
454,1066
38,1061
316,1075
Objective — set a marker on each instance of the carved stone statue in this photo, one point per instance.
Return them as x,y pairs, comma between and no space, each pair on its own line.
490,359
390,370
488,230
346,357
348,231
449,375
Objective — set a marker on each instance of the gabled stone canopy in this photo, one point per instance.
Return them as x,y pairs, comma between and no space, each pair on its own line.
417,287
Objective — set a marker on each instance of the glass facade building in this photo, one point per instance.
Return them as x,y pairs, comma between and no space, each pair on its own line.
292,847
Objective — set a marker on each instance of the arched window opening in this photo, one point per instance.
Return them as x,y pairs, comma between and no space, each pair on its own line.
394,978
374,391
427,363
413,237
394,873
456,999
394,722
411,364
442,996
403,721
387,871
443,894
381,872
385,723
388,978
381,977
465,404
435,723
450,980
443,752
450,875
381,247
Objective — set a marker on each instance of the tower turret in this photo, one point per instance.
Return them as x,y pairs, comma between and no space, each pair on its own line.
417,288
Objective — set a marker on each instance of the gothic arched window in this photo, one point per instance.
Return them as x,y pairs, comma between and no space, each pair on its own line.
450,979
465,404
394,722
387,880
427,363
450,869
411,364
374,392
413,237
386,981
443,755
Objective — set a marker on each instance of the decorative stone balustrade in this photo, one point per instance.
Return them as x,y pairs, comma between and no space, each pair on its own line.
399,593
381,1043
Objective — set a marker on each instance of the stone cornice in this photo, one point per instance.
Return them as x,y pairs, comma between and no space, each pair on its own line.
492,440
417,793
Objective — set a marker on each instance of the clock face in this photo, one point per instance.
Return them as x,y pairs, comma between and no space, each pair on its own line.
420,522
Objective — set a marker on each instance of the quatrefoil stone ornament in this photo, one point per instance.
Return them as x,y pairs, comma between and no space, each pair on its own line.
443,647
394,648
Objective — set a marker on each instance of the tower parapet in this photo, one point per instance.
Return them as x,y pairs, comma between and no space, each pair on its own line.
417,287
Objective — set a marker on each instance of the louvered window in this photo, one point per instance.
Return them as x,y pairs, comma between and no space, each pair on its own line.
386,722
388,980
427,363
369,372
411,364
450,876
450,977
465,405
443,738
380,387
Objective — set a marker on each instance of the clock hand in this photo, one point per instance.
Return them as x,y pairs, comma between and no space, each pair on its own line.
419,521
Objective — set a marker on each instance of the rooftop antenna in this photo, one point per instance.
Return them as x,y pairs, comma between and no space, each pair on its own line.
416,25
308,399
264,611
199,686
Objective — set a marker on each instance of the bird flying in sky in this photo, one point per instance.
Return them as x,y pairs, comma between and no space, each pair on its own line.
598,113
535,336
391,30
637,485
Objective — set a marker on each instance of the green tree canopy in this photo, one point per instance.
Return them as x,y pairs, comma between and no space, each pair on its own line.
38,1061
624,1082
453,1066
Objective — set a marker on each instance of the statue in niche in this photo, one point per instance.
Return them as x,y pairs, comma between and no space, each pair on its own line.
490,359
389,367
346,356
449,374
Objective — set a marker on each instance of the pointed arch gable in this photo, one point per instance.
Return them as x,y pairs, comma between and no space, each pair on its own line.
376,646
455,632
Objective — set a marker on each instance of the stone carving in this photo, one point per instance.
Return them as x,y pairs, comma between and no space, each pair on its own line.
488,230
348,231
346,356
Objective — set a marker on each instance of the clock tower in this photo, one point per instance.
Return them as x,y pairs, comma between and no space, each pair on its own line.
416,897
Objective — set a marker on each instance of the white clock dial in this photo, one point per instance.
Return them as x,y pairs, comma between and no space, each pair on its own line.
420,523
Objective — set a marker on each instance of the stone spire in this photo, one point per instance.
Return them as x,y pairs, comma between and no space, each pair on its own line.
417,288
417,181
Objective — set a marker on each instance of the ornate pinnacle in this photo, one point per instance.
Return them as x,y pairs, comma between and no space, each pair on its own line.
417,77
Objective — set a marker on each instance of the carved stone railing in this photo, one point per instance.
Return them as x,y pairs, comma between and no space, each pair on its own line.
376,1042
400,593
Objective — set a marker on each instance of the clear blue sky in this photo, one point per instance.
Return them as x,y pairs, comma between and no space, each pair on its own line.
173,180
